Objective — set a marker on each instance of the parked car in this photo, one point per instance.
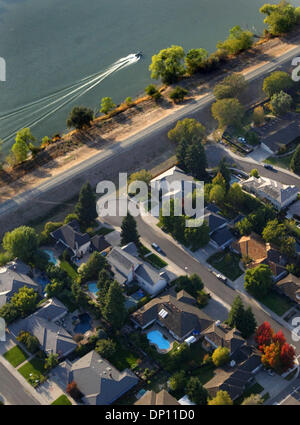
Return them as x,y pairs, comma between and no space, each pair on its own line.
220,277
157,248
269,167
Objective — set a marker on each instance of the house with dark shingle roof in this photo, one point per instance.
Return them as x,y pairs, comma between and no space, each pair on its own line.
70,236
97,379
178,314
290,287
13,277
151,398
221,335
127,267
259,252
52,337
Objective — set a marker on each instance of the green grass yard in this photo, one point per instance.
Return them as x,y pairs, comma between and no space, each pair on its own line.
227,263
282,162
124,358
62,401
155,261
15,356
68,268
35,367
276,303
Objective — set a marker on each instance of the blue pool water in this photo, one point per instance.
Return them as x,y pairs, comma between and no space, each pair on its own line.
43,281
156,337
84,325
93,288
53,259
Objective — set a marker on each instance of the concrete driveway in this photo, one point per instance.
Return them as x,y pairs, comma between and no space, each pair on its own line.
272,384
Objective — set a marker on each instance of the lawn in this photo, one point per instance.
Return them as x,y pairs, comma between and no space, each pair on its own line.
68,268
15,356
253,389
276,303
155,261
227,263
34,367
62,401
143,250
282,162
102,231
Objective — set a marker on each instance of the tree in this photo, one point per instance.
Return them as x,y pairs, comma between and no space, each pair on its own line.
106,348
196,392
189,130
51,361
178,94
30,341
177,382
253,400
221,356
264,335
224,169
114,309
20,151
235,196
107,105
219,180
258,281
287,356
227,112
73,391
21,242
244,227
90,270
258,115
237,41
248,324
103,285
25,136
25,300
80,117
195,161
9,312
167,64
152,91
142,175
217,194
85,208
295,161
191,284
195,59
129,231
274,232
197,237
231,86
276,82
222,399
236,313
281,103
254,173
281,18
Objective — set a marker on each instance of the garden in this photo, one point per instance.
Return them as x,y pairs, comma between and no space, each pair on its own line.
226,263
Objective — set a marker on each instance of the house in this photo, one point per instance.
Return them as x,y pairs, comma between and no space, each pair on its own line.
173,183
98,243
151,398
290,287
13,277
128,267
279,194
98,380
254,248
70,237
245,360
52,337
222,238
178,314
221,335
220,235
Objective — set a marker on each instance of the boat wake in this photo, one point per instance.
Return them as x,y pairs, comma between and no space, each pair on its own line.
35,112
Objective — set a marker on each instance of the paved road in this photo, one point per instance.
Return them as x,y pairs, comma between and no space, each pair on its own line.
152,131
284,397
12,390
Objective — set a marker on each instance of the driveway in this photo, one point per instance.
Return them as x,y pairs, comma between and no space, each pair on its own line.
272,384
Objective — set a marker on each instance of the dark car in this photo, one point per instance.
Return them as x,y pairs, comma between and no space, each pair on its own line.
269,167
157,248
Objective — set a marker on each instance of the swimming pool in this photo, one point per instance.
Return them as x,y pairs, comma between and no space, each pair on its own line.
156,337
51,255
92,286
84,325
43,281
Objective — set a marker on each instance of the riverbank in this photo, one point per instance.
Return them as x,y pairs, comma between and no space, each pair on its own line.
78,146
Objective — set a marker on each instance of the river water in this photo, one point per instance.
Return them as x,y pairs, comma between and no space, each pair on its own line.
50,44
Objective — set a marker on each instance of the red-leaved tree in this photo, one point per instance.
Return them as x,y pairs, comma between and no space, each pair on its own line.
287,356
264,335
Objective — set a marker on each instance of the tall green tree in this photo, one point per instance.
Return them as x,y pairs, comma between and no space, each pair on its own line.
231,86
195,59
236,313
86,205
281,103
195,161
107,105
281,18
114,310
129,231
20,151
221,356
249,324
80,117
276,82
237,41
274,232
189,130
227,112
21,242
25,300
258,281
224,169
168,64
196,392
222,399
